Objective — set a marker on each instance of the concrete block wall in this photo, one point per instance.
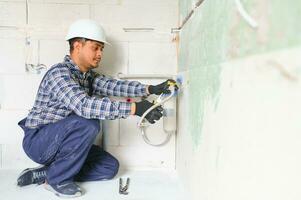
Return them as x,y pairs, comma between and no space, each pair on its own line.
33,31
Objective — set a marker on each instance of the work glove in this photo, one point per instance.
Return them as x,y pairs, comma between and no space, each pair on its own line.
153,115
162,87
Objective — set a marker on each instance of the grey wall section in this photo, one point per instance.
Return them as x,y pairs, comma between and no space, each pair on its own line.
202,47
215,35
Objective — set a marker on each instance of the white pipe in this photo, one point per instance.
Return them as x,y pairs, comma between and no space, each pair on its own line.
245,15
141,125
155,106
147,141
160,102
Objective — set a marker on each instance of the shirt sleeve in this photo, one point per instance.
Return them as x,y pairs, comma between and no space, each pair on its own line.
105,86
70,93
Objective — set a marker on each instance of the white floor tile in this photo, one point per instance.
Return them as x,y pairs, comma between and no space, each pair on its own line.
144,185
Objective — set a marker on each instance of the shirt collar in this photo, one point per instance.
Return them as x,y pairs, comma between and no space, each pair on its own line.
72,65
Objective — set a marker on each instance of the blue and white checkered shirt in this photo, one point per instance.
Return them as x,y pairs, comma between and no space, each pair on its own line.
65,90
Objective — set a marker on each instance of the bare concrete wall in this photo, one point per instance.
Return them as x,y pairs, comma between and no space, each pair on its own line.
240,84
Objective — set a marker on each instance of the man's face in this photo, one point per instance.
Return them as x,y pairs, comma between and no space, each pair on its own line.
90,53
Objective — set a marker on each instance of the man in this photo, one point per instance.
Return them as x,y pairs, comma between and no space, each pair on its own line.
61,127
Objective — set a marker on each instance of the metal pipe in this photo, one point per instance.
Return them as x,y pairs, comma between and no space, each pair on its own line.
197,4
138,29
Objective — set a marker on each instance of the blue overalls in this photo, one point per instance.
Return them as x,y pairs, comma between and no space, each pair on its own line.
66,148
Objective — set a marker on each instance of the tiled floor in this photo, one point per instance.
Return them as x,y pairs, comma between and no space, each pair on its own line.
144,185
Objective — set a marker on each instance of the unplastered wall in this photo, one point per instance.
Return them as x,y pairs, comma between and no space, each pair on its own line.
239,110
33,32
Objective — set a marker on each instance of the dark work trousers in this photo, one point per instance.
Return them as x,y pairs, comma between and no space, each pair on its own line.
66,148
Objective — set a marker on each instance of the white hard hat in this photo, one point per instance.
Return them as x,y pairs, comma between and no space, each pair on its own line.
87,28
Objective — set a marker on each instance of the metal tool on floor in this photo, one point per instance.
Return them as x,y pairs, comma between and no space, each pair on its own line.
123,190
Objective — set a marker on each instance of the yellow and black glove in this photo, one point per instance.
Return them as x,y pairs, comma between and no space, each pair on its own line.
162,87
153,115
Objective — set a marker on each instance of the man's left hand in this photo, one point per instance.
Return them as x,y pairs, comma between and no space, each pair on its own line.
162,87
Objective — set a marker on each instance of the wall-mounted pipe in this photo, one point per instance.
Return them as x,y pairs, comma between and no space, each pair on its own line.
27,12
138,29
196,5
242,11
173,30
29,66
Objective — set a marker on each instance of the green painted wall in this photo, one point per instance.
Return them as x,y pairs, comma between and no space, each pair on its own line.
216,33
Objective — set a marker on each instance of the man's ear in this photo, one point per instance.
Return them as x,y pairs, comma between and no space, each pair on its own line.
77,45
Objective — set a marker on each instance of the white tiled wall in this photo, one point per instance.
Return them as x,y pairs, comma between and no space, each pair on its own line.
131,52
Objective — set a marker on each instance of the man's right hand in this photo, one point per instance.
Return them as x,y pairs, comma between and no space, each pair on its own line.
153,115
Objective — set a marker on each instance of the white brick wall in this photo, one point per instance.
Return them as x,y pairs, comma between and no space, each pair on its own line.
132,157
18,91
64,2
115,59
13,157
111,133
137,15
152,58
53,51
131,52
118,14
0,156
11,1
12,13
56,16
130,135
145,14
109,2
171,3
12,56
11,133
11,33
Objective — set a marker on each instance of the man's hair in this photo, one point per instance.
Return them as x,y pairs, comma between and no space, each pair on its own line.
73,40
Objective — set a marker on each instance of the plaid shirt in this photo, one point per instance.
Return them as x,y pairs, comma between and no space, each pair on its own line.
65,90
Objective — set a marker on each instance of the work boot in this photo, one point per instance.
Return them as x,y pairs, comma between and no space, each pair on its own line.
32,176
